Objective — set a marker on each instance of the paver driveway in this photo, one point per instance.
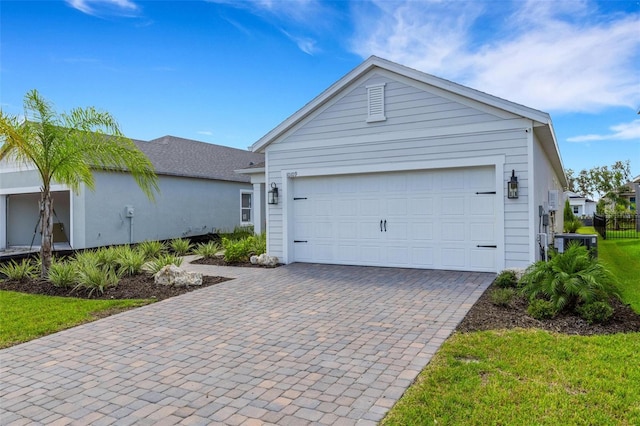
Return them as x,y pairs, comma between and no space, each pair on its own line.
294,345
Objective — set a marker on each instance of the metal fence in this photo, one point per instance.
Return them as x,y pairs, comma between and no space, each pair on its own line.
624,225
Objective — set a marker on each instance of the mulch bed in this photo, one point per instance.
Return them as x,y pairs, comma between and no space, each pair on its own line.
218,261
136,287
484,315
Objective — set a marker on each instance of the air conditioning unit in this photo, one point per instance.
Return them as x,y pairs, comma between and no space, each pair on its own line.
590,241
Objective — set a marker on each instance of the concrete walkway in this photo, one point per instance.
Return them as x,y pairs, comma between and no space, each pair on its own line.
300,344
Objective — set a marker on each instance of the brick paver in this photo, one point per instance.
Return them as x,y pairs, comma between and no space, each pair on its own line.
300,344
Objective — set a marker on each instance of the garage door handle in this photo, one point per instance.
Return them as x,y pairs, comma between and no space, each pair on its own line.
487,246
385,225
380,225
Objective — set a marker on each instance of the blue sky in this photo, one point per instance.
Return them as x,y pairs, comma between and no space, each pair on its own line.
227,72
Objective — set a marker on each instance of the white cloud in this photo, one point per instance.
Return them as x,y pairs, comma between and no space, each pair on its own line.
306,44
99,7
542,55
619,132
302,21
205,132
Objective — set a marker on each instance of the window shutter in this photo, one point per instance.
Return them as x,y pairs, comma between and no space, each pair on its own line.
375,103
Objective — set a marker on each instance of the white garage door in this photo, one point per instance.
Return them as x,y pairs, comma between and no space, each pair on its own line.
442,219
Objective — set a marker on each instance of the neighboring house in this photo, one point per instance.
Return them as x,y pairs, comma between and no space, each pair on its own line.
580,205
632,195
199,193
394,167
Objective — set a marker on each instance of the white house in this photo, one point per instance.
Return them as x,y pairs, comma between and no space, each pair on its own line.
199,194
580,205
394,167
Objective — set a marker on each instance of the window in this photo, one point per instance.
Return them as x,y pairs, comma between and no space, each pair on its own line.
576,209
245,207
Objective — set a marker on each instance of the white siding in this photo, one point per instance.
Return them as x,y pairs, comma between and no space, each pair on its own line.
546,180
422,125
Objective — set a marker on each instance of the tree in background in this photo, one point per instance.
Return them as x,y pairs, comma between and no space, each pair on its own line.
607,183
65,148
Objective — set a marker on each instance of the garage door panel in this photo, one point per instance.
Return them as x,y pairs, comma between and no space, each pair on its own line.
397,206
482,231
453,257
422,257
346,207
398,255
451,180
348,230
452,206
369,183
421,206
369,207
434,218
371,254
323,230
481,257
422,231
453,231
483,205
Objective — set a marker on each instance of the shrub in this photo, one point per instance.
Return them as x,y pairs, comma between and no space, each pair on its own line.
93,277
568,212
239,233
160,262
151,249
541,309
63,274
130,261
87,257
596,312
502,296
506,279
13,270
568,279
207,250
572,225
237,251
107,256
259,243
180,246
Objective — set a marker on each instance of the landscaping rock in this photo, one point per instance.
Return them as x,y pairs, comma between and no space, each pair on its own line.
266,260
254,260
171,275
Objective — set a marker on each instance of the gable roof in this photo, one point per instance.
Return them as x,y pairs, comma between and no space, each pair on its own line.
543,127
175,156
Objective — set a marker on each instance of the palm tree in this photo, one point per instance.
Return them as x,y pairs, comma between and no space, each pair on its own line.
65,148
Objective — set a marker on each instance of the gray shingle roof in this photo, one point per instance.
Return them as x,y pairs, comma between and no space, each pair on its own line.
175,156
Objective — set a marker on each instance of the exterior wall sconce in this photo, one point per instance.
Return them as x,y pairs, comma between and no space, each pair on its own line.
512,186
273,194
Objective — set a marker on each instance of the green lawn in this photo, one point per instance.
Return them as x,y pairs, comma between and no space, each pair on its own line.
622,256
26,317
518,377
526,377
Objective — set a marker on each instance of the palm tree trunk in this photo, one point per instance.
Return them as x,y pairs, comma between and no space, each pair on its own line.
46,229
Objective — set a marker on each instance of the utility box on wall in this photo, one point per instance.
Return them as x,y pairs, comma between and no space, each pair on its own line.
590,241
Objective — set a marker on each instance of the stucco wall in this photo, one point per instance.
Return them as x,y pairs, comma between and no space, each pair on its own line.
185,207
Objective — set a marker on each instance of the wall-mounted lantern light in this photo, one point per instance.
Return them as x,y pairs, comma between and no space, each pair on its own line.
512,186
273,194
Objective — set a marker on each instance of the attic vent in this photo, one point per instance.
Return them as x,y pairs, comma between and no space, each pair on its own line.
375,103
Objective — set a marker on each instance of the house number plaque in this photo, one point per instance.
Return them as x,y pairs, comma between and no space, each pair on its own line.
292,174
